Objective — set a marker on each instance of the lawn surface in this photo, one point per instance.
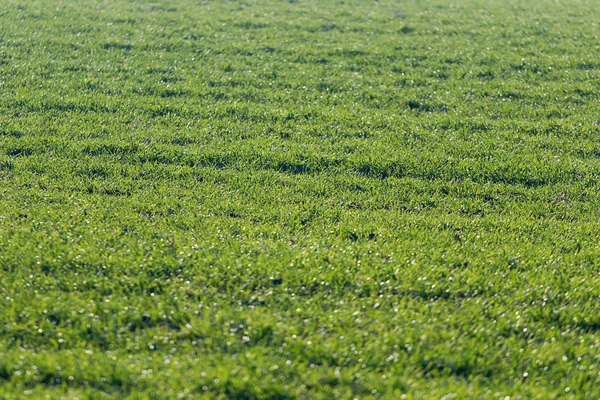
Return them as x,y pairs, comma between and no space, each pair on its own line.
310,199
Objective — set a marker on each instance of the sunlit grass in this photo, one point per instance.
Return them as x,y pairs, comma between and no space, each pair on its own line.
299,199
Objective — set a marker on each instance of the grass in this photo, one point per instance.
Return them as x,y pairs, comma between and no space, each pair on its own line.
298,199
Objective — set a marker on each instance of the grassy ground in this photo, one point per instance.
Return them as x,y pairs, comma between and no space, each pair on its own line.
299,199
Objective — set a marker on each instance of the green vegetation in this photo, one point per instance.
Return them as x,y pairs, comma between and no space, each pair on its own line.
299,199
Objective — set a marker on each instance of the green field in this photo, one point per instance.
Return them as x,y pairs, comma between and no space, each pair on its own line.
268,199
